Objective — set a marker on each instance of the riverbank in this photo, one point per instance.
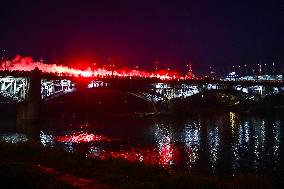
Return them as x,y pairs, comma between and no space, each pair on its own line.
32,166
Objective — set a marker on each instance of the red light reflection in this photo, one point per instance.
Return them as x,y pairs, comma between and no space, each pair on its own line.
81,138
167,155
152,156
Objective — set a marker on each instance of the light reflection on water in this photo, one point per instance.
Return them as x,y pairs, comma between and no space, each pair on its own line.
164,141
276,144
213,143
46,139
192,141
252,144
13,138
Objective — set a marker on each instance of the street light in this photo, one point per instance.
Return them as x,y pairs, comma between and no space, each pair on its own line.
259,70
4,58
156,64
112,67
273,70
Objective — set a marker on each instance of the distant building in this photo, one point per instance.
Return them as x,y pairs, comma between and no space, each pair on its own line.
231,76
190,72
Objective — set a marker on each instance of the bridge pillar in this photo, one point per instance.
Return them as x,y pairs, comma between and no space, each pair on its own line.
28,114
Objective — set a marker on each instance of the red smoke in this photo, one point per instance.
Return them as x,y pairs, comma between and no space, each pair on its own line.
27,64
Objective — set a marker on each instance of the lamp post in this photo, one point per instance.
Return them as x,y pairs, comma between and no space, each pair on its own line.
4,58
112,67
253,74
273,70
246,71
156,64
259,69
186,68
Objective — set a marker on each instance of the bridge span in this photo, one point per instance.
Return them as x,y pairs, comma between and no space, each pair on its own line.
17,85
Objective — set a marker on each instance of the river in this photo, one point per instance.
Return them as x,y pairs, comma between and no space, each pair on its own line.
222,144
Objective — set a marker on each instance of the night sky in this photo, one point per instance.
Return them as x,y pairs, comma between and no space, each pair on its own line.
136,33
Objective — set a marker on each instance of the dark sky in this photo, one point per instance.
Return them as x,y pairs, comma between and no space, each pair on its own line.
218,34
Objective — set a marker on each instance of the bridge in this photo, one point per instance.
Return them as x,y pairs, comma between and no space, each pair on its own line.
16,86
28,90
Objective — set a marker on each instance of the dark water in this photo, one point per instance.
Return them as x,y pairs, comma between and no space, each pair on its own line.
223,144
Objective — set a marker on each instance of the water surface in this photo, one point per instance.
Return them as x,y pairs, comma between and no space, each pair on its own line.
222,144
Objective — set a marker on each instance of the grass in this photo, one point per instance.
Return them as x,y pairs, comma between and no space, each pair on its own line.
19,166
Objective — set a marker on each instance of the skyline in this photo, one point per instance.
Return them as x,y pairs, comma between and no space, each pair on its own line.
220,34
